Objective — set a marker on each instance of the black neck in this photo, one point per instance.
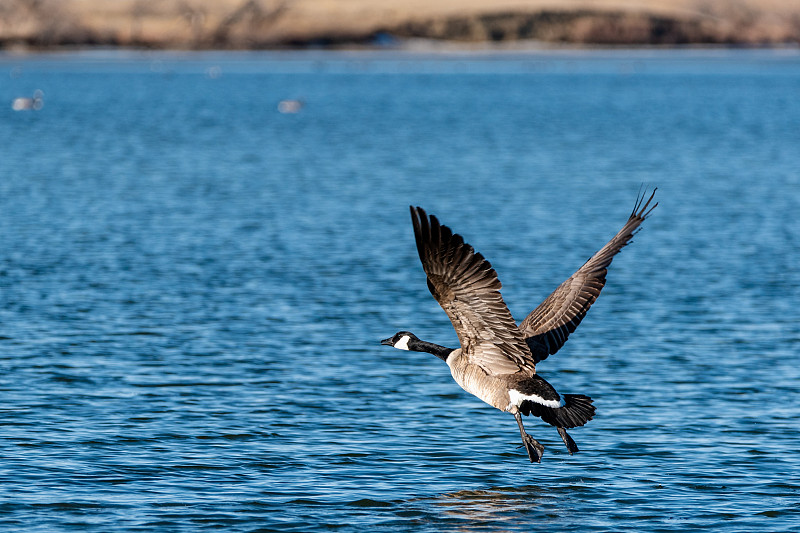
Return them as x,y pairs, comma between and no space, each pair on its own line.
422,346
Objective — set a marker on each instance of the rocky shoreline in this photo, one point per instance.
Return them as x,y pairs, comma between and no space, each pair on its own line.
267,24
593,28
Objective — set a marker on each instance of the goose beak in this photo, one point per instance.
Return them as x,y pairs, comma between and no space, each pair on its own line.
387,342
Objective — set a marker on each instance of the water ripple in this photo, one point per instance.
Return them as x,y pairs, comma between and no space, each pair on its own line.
193,287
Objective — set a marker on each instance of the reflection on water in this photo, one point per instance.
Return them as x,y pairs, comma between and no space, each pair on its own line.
491,506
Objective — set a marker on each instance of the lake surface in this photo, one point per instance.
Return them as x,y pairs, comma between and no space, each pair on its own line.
193,287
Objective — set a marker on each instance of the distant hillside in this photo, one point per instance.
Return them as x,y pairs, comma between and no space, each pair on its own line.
244,24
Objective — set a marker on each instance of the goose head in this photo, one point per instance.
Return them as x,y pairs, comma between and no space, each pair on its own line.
401,340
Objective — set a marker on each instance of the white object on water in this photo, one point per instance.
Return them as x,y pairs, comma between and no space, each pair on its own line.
26,104
290,106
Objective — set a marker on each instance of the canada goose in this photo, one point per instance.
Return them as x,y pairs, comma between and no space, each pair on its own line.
497,359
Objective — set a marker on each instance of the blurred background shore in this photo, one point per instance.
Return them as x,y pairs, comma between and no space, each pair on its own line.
268,24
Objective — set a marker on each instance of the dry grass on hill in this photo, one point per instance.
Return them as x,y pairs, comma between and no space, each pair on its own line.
275,23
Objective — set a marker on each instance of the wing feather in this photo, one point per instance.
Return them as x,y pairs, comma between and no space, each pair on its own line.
468,289
547,327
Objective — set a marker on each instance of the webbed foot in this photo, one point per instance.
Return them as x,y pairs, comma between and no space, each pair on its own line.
568,442
533,447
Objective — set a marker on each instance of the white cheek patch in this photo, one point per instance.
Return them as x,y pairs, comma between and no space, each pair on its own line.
517,398
402,344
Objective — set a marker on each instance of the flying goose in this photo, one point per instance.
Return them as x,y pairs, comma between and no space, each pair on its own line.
497,359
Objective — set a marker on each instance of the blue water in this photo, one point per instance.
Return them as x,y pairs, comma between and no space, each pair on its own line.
193,287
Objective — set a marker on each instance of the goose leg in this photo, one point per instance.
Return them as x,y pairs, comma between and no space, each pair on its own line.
568,442
533,447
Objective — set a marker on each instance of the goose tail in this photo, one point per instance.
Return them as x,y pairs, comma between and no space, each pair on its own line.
577,410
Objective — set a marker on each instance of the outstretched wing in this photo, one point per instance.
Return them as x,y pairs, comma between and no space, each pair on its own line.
547,327
467,288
